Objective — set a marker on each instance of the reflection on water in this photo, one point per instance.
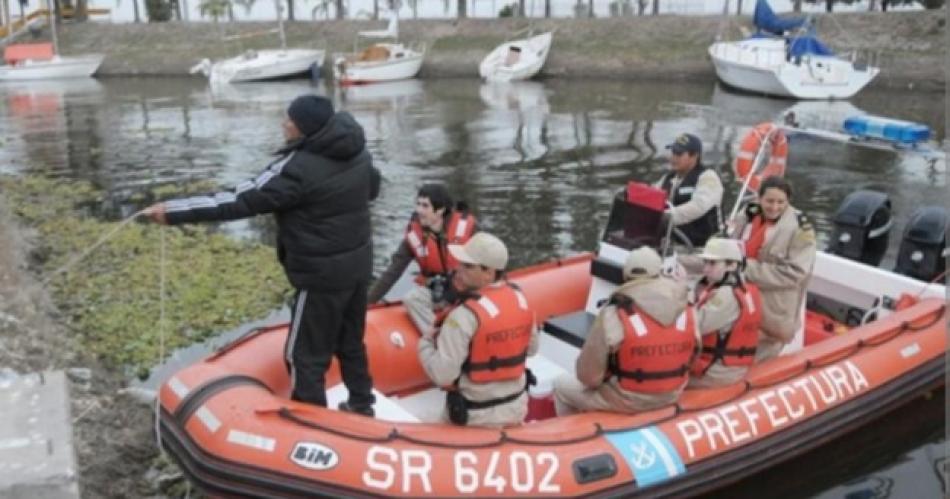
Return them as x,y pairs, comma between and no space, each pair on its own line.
537,162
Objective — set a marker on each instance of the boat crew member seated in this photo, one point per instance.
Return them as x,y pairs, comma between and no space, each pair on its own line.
433,226
694,190
479,349
729,313
637,354
780,252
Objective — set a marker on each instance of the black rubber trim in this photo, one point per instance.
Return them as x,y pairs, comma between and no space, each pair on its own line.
607,270
196,397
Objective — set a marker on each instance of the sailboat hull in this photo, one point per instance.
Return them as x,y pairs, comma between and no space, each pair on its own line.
265,65
55,68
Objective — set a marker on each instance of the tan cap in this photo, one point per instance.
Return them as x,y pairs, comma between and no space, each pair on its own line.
482,249
643,261
718,248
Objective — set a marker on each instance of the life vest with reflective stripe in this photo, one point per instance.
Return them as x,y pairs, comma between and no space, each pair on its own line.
431,250
499,346
737,347
653,358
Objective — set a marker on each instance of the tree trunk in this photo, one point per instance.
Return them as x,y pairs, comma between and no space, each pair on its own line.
547,8
135,10
82,12
462,9
829,5
739,8
521,8
590,9
872,5
656,7
230,13
6,18
339,9
290,10
376,10
797,6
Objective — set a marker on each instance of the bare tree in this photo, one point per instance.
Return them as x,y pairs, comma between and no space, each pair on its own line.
590,8
462,7
739,8
339,9
656,7
547,8
290,10
797,6
521,8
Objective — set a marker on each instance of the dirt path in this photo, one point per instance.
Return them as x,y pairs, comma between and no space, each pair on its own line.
116,453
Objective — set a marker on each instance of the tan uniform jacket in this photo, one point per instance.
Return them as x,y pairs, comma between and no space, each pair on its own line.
662,299
782,271
442,359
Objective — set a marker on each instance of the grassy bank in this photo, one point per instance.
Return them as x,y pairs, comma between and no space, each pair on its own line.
110,300
910,47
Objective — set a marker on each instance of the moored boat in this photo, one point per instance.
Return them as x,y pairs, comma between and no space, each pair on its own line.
796,65
517,59
228,420
381,61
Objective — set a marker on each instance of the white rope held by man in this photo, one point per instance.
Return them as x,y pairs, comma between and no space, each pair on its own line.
84,253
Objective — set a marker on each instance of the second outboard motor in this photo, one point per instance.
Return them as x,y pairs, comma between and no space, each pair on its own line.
922,254
862,225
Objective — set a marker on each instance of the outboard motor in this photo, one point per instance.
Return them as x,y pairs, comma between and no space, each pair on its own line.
862,226
922,254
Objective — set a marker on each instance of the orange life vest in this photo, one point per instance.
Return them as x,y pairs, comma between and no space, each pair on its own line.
653,358
499,346
431,251
737,347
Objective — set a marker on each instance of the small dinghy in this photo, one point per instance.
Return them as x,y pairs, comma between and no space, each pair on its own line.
517,59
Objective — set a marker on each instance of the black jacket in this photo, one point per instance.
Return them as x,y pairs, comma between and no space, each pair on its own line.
319,191
700,230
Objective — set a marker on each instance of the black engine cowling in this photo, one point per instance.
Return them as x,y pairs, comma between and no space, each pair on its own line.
862,225
922,251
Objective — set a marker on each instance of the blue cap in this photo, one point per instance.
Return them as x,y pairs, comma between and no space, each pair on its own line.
686,142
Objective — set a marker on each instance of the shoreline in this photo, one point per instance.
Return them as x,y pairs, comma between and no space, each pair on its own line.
909,46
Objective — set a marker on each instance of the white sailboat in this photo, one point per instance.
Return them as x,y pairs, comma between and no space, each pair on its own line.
257,65
380,61
795,65
41,61
516,59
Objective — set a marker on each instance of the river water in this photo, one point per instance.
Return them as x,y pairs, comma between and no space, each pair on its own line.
537,162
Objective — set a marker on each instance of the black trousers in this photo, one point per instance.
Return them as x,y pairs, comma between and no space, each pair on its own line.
324,324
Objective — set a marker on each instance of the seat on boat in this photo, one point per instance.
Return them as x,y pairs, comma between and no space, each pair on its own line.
374,53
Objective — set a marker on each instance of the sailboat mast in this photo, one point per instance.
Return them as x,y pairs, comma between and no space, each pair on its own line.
280,24
52,25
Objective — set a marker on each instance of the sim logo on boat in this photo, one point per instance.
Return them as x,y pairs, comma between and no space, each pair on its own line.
314,456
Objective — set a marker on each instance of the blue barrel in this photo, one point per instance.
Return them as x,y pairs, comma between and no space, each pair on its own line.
891,130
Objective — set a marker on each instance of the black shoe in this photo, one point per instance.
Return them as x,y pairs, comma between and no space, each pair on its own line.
365,410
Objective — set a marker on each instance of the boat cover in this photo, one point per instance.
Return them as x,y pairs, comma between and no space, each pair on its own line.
766,20
804,45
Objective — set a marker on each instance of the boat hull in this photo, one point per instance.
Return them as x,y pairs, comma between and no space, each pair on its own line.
761,67
534,53
228,422
350,72
265,65
56,68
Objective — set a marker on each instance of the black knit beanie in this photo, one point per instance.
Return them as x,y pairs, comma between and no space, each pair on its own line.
310,113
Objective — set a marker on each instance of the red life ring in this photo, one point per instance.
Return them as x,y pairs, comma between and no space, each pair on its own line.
751,144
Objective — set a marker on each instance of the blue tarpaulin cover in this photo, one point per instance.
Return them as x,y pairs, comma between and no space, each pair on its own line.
766,20
808,45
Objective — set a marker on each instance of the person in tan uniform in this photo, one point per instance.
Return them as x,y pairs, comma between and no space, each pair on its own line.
636,356
780,251
729,314
479,351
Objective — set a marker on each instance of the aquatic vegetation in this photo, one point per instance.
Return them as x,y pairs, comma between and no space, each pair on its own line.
111,298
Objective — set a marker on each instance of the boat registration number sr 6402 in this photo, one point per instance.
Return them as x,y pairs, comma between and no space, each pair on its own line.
411,470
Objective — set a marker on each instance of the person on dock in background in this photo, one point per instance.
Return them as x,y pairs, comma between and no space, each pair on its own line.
479,351
780,250
434,225
319,190
729,314
637,354
694,190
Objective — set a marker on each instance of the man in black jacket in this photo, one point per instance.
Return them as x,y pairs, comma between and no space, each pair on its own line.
319,191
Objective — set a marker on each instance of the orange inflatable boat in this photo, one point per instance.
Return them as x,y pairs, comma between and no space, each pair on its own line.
228,421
